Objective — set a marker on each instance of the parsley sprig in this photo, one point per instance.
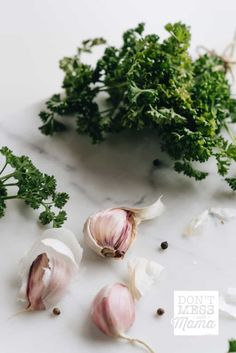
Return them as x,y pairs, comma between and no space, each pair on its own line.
152,84
232,346
36,189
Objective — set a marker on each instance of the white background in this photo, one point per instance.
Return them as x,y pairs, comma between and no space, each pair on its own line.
34,35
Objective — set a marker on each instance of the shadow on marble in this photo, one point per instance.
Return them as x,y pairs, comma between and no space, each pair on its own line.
122,157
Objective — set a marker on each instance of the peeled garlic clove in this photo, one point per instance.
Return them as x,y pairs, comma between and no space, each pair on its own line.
142,275
47,269
111,232
113,310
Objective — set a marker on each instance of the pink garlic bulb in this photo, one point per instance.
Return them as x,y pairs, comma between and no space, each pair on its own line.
111,232
47,269
113,310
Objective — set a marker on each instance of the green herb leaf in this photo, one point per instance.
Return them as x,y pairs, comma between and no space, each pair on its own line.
36,189
232,346
232,183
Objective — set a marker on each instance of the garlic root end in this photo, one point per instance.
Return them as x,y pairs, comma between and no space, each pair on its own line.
136,340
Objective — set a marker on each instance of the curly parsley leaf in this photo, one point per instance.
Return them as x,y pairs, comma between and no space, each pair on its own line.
231,182
232,346
36,189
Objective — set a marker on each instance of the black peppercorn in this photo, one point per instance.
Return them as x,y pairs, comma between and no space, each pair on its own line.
160,311
56,311
156,162
164,245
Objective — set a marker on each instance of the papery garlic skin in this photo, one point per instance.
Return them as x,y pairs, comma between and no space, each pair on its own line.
227,302
113,310
111,232
47,269
223,214
142,275
197,223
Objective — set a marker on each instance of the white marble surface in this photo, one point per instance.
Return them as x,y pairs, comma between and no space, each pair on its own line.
117,172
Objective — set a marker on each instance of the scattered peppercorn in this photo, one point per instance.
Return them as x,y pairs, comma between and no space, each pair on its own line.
156,162
164,245
160,311
56,311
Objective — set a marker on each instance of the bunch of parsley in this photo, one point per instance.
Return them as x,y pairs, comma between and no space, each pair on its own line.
152,84
36,189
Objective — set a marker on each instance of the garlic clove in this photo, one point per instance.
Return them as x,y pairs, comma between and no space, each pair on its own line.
111,232
113,310
142,275
35,285
47,269
57,280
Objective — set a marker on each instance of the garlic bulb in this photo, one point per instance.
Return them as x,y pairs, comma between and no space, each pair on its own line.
47,269
111,232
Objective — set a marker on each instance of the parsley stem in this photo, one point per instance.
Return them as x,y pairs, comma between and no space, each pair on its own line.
103,90
230,133
111,86
106,110
11,184
3,168
7,176
11,197
45,204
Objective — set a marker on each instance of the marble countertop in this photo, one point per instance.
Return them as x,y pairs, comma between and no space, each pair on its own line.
116,172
